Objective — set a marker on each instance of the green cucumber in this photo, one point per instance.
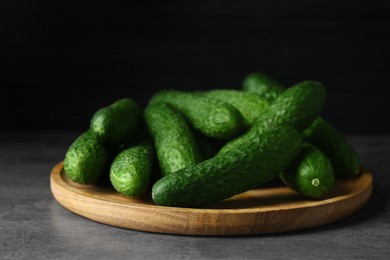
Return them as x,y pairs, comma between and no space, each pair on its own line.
322,134
174,141
341,153
118,123
86,160
253,161
130,171
250,105
213,118
296,107
263,85
311,174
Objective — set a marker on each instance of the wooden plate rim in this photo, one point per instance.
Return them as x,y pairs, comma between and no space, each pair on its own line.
57,180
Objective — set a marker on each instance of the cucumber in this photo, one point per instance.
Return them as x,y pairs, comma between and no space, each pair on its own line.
175,143
345,160
131,169
263,85
118,123
253,161
250,105
86,160
341,153
297,107
311,174
213,118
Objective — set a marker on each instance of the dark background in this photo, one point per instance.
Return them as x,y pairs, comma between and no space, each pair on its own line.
61,62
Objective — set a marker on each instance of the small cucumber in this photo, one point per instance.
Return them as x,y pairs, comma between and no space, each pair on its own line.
86,159
118,123
263,85
131,169
253,161
341,153
297,107
213,118
250,105
311,174
175,143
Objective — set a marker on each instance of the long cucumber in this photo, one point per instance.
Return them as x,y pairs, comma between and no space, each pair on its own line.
254,161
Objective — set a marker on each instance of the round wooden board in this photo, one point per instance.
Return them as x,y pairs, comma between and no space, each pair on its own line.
264,210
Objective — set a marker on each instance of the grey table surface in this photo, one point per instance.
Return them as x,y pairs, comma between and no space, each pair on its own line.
34,226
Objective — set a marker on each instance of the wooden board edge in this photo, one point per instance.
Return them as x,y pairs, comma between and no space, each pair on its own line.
217,224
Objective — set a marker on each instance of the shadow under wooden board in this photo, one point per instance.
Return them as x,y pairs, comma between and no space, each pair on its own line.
264,210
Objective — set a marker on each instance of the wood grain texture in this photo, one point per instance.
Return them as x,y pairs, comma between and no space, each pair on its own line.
266,210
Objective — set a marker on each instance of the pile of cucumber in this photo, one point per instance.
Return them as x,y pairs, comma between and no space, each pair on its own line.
196,148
